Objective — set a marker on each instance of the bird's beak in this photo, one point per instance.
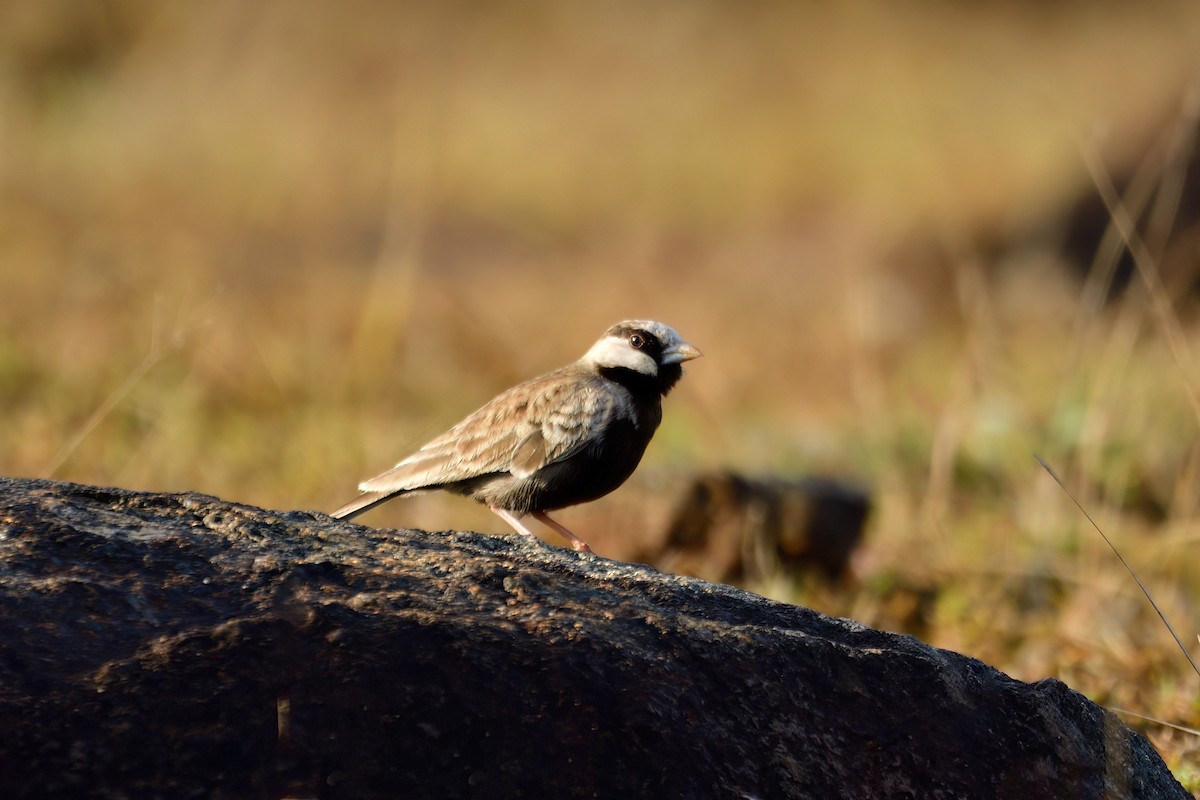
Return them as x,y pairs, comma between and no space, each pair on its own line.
680,353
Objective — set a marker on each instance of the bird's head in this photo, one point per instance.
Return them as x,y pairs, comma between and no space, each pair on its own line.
649,349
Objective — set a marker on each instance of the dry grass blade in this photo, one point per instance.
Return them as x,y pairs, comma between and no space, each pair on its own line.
158,351
1157,721
102,411
1145,263
1124,563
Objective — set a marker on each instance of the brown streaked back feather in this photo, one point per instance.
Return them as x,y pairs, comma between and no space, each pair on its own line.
536,423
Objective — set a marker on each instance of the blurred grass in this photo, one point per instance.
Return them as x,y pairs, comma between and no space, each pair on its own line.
263,250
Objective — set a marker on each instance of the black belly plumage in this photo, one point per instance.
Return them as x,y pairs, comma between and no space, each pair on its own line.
588,475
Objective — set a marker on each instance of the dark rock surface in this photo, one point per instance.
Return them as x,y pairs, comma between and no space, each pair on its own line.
180,646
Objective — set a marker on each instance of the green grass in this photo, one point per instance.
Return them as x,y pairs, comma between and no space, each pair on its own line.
263,251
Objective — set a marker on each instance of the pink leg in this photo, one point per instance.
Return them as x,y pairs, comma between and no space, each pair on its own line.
576,542
513,520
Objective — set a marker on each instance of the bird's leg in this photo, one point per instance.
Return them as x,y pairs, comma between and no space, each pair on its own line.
576,542
512,519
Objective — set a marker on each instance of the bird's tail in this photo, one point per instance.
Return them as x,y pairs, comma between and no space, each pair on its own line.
362,504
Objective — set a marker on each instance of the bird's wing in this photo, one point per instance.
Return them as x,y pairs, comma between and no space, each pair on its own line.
536,423
567,419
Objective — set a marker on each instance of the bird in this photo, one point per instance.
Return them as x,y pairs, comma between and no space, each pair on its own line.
560,439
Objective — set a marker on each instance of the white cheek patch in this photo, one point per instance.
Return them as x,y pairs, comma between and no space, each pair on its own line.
613,351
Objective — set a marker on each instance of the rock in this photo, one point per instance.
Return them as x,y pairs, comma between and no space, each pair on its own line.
156,645
730,527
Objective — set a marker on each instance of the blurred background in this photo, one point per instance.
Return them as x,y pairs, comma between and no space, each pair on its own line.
264,250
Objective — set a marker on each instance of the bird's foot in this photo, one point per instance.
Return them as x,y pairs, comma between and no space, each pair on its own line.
576,543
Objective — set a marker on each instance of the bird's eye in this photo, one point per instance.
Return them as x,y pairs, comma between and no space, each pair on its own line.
636,341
